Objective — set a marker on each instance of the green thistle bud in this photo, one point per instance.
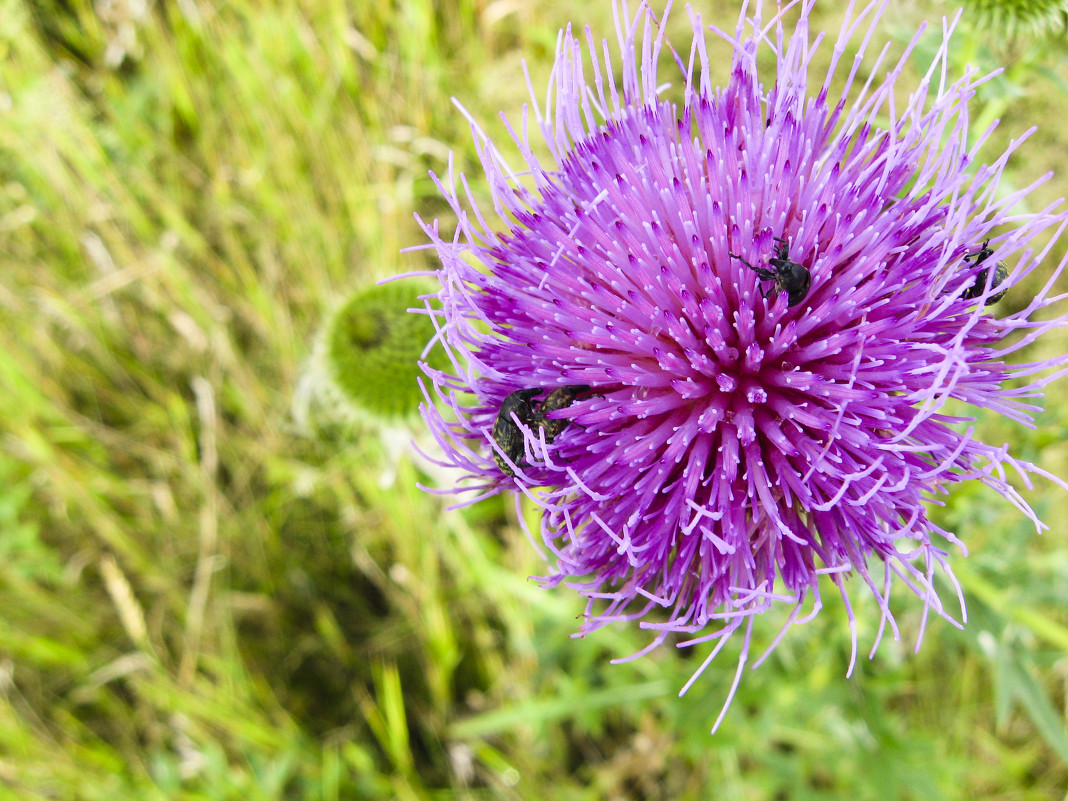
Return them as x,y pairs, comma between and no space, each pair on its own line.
1018,16
372,347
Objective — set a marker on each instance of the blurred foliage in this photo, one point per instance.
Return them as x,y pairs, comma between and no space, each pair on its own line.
204,600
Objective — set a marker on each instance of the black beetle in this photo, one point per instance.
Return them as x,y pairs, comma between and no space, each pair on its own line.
789,276
1001,272
509,436
559,398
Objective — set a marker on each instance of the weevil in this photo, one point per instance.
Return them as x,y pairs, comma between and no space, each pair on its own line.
789,276
509,436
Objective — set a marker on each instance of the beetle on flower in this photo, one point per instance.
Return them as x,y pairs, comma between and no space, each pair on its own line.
737,443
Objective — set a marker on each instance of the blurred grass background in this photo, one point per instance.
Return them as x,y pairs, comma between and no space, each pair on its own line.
202,599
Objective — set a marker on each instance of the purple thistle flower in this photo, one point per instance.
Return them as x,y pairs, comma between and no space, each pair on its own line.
743,433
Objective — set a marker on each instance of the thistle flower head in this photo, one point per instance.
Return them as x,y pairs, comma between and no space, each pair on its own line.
763,298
